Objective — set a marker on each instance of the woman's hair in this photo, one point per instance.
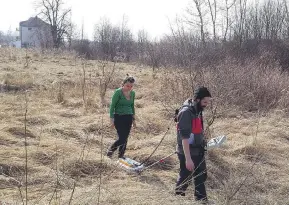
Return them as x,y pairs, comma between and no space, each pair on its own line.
129,79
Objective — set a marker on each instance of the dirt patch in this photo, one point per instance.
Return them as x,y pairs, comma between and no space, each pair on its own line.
44,158
73,103
151,128
12,170
20,132
67,133
69,115
218,169
36,121
256,154
7,142
166,164
86,168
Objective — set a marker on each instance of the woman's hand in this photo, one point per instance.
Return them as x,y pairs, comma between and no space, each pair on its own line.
134,124
112,122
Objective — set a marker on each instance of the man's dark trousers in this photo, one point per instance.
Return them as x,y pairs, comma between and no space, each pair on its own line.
199,175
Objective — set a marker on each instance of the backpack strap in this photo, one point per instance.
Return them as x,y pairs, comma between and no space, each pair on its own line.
190,101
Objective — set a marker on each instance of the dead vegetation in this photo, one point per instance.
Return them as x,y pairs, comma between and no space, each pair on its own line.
64,140
20,132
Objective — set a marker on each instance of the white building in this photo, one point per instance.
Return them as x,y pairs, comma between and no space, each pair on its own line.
35,33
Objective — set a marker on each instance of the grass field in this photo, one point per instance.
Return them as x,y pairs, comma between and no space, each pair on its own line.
66,132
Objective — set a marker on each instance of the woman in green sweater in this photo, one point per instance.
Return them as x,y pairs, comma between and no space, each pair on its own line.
122,115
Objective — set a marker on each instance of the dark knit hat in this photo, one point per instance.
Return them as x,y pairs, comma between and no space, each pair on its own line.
201,93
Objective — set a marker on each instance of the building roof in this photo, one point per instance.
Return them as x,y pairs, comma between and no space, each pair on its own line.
33,22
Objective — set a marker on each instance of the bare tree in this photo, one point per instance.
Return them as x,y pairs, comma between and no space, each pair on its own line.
267,17
255,24
228,22
286,18
273,16
126,39
240,19
278,20
43,37
104,37
6,38
182,43
213,12
1,37
71,32
52,12
154,54
142,44
113,41
200,13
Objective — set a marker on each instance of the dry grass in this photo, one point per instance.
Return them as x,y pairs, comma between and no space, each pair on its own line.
249,87
64,139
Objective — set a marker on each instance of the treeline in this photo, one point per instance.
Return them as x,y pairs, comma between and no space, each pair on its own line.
208,33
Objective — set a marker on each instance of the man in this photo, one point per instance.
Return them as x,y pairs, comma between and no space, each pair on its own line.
191,144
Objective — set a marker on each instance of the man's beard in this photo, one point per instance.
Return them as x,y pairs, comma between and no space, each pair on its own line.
199,107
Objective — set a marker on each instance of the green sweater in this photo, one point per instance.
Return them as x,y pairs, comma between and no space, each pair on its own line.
120,105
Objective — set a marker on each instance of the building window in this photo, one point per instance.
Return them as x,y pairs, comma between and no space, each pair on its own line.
29,29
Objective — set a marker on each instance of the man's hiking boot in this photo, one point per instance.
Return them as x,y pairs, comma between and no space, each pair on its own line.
109,154
206,202
180,193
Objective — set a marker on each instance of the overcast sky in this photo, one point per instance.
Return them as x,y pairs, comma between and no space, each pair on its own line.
151,15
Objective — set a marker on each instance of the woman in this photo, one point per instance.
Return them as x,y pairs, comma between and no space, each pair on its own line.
122,114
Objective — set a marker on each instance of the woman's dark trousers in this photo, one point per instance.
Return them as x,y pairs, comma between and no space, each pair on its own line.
123,125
